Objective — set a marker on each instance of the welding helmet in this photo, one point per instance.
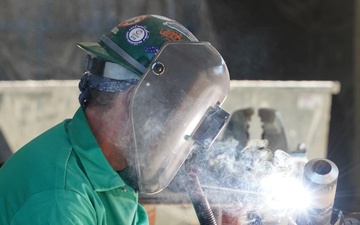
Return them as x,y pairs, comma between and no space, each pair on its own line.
176,103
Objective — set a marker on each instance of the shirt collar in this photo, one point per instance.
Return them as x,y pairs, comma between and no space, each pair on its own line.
101,175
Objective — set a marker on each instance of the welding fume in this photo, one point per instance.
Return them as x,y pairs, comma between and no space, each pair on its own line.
257,186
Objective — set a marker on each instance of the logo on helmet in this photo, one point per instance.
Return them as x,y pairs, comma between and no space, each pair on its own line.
183,30
137,35
132,21
170,35
151,49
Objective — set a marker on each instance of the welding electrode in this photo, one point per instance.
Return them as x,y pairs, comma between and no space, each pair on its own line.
199,200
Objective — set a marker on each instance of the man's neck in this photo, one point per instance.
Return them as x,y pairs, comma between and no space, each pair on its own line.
113,140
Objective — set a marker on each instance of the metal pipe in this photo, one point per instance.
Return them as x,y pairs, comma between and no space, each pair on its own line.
320,178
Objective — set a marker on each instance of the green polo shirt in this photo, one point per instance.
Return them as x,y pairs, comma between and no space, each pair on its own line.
62,177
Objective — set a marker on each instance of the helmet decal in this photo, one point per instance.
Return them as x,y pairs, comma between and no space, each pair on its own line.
170,35
137,35
115,30
183,30
132,21
151,49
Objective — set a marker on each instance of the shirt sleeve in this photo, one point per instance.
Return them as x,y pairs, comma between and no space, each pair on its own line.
55,207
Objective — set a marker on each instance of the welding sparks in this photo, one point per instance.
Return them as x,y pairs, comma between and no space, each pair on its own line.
284,194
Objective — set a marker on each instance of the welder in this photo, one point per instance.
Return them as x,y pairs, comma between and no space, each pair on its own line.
148,87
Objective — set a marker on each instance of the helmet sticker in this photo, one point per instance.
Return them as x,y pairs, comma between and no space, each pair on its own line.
170,35
137,35
115,30
151,49
183,30
132,21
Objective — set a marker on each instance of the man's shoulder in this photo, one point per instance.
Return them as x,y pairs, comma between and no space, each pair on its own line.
46,166
51,146
40,164
56,134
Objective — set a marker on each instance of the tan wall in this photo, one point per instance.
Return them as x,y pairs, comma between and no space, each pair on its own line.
27,108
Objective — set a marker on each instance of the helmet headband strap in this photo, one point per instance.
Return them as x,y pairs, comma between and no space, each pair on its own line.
122,53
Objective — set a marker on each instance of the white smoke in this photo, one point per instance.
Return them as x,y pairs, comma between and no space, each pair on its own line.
254,181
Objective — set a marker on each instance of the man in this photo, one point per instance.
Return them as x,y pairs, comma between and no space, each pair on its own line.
150,92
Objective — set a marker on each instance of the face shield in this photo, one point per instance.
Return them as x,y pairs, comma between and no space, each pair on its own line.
175,106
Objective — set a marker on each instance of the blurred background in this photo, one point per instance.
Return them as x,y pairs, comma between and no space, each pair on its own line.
259,40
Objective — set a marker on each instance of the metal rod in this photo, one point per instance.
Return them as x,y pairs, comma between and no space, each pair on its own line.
199,200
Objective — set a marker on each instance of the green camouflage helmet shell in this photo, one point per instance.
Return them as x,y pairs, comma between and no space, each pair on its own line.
140,38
